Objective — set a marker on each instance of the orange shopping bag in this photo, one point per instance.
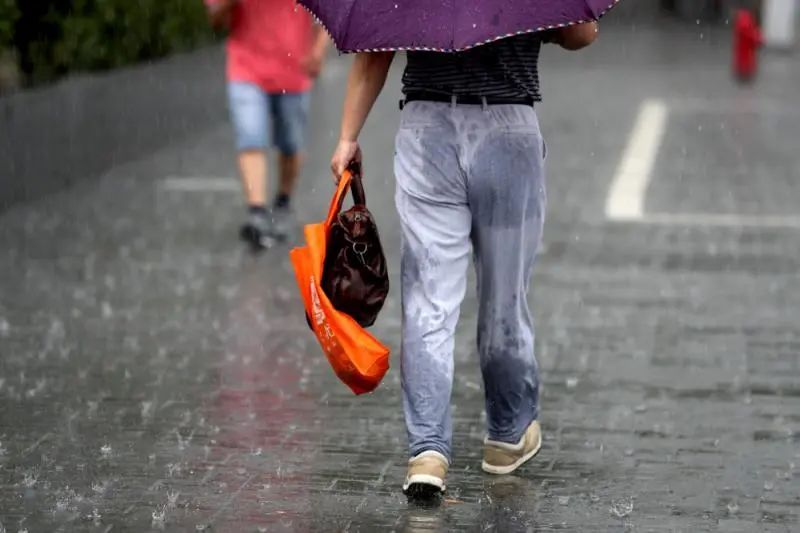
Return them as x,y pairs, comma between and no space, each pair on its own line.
359,359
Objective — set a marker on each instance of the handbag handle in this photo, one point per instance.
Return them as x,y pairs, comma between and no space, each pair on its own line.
350,180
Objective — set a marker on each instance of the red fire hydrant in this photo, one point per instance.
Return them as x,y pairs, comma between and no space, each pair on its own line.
746,41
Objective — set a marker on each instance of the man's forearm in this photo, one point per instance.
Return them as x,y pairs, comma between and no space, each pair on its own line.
367,77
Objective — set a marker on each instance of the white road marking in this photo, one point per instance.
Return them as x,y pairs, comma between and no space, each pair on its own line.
200,184
721,220
626,195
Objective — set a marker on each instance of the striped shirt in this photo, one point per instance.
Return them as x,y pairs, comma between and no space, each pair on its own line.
507,68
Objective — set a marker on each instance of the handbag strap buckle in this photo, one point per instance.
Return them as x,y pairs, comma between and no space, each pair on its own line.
360,248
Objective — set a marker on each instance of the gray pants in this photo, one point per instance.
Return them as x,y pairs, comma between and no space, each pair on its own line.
469,178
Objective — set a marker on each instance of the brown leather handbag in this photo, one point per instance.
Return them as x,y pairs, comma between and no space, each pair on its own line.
354,275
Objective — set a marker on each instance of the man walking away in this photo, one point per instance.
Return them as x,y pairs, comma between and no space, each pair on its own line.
274,51
469,169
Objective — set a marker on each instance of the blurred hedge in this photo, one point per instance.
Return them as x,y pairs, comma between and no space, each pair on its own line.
55,37
8,18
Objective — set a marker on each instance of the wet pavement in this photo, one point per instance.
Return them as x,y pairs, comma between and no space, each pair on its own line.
156,376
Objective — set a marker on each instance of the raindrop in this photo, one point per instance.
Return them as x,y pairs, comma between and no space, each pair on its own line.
105,450
563,500
572,382
107,311
29,478
62,503
173,468
594,498
769,485
733,507
5,327
621,508
172,498
159,514
40,385
641,408
474,25
628,452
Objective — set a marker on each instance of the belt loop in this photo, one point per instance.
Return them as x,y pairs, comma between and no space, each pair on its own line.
453,101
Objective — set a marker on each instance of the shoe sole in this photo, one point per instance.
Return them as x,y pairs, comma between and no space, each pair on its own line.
501,470
424,479
429,489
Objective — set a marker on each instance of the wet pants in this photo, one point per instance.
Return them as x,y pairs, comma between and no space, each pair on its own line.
470,181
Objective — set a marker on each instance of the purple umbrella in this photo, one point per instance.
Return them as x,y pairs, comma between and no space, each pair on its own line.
443,25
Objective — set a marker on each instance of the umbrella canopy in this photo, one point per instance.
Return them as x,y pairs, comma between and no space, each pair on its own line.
443,25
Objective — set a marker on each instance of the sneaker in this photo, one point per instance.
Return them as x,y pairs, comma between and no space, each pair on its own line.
426,472
256,231
504,458
282,222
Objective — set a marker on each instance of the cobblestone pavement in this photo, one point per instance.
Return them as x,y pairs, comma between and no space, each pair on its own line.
154,375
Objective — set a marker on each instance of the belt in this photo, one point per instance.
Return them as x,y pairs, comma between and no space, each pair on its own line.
466,99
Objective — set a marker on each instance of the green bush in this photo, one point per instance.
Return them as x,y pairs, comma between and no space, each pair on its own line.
85,35
8,18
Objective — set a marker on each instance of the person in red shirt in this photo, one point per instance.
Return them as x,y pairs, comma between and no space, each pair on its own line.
274,52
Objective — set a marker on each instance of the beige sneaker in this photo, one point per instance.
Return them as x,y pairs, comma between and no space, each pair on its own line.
504,458
426,473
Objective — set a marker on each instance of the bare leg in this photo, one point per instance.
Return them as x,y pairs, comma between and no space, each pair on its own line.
282,218
289,170
253,171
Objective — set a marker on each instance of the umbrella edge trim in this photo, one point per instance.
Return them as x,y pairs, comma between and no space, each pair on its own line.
450,50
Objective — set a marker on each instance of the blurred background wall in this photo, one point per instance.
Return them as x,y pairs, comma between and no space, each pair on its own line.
76,94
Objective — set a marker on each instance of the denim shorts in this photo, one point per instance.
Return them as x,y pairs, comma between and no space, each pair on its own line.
262,119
